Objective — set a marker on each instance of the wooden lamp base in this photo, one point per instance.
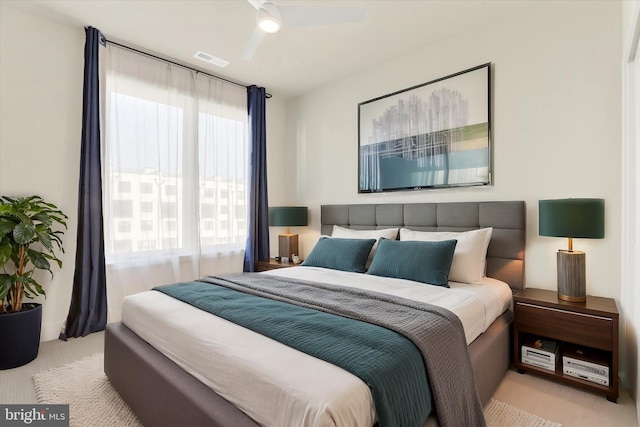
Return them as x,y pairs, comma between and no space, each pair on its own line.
288,245
571,276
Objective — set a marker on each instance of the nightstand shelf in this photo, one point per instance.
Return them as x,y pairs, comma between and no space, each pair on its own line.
592,325
273,264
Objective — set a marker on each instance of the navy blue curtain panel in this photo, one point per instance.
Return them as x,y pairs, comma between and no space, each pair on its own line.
258,224
88,310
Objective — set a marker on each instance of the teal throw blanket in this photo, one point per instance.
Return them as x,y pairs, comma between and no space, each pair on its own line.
386,361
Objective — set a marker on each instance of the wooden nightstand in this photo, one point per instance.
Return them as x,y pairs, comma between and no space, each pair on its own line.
592,326
272,264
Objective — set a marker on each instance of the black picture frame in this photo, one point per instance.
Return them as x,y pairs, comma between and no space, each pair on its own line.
433,135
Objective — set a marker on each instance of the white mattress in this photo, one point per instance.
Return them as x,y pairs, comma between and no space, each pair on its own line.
275,384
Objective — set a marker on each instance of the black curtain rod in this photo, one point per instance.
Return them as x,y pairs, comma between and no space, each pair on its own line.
268,95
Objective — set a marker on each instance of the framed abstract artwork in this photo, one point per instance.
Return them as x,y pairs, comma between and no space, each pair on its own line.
434,135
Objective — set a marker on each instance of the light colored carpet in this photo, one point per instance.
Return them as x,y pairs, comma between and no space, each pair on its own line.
499,414
94,402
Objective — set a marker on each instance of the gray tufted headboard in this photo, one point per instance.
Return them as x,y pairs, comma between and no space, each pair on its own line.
505,256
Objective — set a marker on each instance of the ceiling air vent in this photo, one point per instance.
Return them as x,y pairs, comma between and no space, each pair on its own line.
211,59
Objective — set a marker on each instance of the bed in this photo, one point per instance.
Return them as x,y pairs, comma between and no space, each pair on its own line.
162,393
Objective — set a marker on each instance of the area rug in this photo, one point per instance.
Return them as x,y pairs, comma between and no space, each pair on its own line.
84,386
94,402
499,414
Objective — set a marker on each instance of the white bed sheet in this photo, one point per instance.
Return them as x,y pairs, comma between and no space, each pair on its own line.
275,384
477,306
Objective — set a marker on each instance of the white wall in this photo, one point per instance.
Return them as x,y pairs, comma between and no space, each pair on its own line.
279,163
556,126
631,193
41,66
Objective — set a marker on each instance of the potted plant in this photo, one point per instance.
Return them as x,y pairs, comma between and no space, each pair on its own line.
30,235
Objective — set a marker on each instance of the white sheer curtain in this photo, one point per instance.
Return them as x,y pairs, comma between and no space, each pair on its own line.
175,164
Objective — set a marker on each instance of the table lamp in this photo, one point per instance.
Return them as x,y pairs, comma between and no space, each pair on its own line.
288,216
572,218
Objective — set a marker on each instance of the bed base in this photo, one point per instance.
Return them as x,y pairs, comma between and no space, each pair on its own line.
161,393
158,391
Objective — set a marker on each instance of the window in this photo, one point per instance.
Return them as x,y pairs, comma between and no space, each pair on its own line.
122,208
146,188
176,143
124,187
146,207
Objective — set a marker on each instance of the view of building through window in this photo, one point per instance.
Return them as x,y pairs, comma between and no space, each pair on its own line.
147,213
169,193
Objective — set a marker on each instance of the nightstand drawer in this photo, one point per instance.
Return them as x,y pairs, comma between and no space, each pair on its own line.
267,267
578,328
272,264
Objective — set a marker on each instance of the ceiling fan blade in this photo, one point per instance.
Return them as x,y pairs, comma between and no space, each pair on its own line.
253,44
256,3
310,16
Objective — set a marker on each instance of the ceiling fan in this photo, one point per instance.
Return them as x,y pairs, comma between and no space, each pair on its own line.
270,18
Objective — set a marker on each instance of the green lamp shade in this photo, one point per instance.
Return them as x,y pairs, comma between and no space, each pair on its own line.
575,218
288,216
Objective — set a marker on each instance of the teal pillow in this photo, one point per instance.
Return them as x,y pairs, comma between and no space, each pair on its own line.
340,254
426,262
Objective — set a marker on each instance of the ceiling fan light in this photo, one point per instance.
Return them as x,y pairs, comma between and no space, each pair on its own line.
269,18
268,25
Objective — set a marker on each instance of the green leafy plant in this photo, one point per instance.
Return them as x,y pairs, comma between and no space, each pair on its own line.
29,238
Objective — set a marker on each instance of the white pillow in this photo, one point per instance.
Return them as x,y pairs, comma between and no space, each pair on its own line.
348,233
470,256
